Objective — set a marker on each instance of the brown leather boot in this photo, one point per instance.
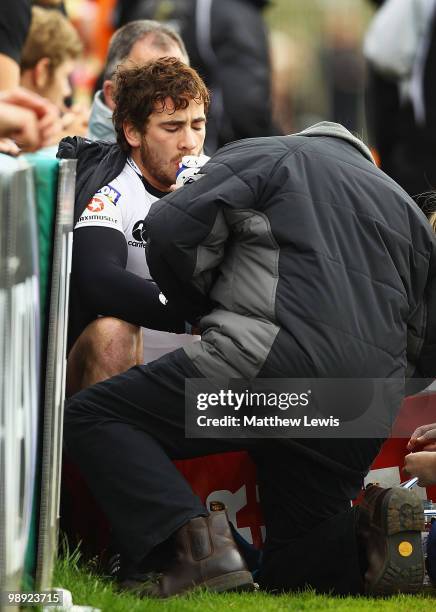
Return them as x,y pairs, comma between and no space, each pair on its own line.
205,556
389,527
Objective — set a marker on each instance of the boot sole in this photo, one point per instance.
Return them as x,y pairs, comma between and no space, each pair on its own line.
403,570
235,581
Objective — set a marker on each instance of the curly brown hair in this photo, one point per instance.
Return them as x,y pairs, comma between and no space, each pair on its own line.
138,89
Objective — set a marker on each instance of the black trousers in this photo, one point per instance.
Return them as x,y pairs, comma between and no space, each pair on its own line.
124,433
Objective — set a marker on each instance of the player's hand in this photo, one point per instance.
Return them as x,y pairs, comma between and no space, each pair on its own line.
423,438
422,465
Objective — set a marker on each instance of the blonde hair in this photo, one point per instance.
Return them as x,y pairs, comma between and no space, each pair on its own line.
432,220
51,35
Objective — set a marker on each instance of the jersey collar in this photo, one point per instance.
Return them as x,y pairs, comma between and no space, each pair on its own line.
152,190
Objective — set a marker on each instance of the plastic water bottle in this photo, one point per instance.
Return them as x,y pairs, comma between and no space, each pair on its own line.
189,167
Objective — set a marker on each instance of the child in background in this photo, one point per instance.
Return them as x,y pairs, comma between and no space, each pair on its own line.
48,59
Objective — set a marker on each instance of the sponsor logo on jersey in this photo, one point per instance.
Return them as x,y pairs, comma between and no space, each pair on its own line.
111,193
95,205
137,231
97,218
137,245
139,236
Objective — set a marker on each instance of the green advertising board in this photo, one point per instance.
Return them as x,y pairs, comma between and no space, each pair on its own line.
19,365
36,209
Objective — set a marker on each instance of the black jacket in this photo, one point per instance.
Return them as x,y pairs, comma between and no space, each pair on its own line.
229,48
15,18
305,260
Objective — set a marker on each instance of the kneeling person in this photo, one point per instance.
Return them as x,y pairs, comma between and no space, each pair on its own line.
159,118
258,251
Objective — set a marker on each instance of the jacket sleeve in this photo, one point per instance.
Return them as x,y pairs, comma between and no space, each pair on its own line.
426,361
421,335
187,235
107,288
243,68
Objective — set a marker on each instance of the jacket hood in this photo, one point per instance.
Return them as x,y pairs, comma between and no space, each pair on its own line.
69,147
100,122
76,147
328,128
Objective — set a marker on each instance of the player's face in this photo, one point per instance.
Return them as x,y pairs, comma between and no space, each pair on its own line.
170,134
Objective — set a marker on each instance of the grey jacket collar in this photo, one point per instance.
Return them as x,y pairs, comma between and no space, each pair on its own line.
327,128
100,122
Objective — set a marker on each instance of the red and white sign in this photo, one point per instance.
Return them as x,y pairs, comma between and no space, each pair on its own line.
231,479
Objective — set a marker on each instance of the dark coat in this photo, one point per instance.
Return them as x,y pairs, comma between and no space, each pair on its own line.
305,260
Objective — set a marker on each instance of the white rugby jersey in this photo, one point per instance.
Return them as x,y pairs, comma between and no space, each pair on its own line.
122,205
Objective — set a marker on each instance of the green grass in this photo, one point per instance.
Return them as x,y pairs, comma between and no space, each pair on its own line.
88,589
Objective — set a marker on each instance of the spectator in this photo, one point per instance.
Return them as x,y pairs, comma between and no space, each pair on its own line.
159,117
343,66
134,44
227,43
401,98
14,25
48,57
300,259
